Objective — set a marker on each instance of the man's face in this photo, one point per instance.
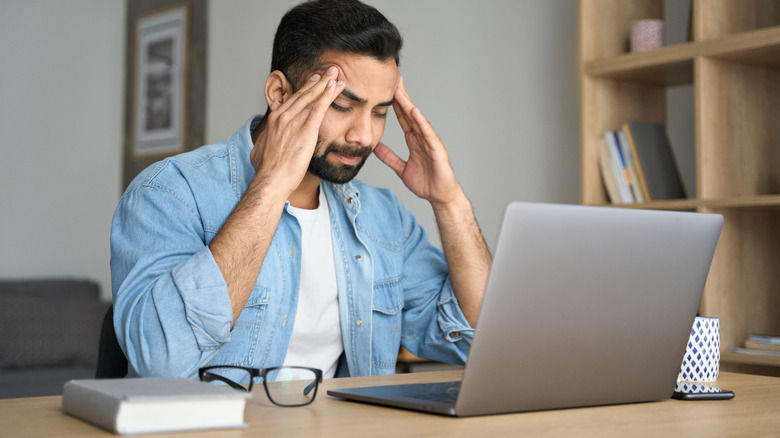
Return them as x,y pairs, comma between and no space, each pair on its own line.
354,123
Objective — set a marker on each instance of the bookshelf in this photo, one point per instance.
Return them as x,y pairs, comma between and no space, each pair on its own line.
733,63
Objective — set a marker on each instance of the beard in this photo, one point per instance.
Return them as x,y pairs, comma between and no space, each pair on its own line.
339,173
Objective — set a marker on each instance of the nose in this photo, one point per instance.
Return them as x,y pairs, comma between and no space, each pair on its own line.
361,131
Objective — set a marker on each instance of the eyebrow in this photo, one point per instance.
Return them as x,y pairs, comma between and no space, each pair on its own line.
352,96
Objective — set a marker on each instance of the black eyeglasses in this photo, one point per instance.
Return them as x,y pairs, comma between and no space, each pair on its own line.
285,386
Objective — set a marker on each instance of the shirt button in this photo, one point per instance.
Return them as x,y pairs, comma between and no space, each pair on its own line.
454,335
358,257
359,322
349,201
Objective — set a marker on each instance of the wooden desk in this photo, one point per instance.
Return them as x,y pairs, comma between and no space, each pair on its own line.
754,412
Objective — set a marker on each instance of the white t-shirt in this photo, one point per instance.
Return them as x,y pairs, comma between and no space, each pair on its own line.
316,338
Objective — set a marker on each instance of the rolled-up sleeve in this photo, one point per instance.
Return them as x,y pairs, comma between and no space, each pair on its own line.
434,326
172,310
199,281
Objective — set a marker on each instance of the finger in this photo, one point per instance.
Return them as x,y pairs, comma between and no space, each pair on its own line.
409,123
402,87
423,127
387,156
403,106
321,105
308,85
402,98
311,94
403,120
414,117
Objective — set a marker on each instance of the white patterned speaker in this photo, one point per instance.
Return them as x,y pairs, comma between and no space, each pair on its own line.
702,356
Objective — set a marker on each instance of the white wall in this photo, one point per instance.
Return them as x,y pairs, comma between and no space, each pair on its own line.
61,79
497,79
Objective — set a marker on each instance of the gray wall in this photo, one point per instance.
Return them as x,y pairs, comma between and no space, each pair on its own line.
497,79
61,79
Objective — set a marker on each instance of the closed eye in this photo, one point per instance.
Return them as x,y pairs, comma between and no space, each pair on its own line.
339,108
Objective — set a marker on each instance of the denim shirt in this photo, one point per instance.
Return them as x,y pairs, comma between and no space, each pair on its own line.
172,312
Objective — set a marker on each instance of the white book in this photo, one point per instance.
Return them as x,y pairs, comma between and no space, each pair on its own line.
756,351
145,405
617,164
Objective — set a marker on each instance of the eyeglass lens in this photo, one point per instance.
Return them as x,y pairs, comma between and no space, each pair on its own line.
291,385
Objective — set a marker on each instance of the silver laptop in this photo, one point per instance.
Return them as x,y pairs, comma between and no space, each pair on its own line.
584,306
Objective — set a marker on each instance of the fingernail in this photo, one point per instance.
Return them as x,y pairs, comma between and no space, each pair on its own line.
330,83
340,83
315,78
331,71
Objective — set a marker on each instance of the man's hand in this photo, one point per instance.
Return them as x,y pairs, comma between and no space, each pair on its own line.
427,171
428,174
281,157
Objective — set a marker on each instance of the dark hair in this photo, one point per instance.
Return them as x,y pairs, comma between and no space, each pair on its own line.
347,26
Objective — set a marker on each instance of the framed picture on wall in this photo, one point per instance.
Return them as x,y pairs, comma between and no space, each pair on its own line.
165,70
160,83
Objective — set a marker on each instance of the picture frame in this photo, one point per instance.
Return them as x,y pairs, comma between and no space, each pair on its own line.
160,83
164,37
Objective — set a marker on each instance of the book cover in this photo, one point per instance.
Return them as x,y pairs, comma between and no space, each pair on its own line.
641,182
654,160
618,168
145,405
630,166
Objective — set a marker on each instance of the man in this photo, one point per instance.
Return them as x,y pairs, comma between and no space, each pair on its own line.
261,251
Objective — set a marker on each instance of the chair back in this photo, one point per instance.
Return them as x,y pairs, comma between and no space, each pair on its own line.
111,362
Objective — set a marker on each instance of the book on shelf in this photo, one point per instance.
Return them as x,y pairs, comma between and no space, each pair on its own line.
154,404
630,166
756,352
607,172
763,342
619,170
656,169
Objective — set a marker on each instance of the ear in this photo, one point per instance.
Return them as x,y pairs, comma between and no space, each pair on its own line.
277,89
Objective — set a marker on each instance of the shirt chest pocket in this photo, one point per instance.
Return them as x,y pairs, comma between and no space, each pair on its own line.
245,335
388,303
255,307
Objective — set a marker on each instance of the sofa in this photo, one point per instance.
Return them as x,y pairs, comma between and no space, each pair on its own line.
49,334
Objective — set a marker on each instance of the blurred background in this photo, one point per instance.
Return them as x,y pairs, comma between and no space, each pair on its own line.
497,79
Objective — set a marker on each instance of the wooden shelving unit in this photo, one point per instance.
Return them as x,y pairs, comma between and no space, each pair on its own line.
733,62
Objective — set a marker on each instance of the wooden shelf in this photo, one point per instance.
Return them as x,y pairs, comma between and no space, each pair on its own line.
733,63
763,201
758,47
673,65
749,359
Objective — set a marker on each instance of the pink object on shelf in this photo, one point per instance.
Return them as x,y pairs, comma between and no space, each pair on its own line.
647,34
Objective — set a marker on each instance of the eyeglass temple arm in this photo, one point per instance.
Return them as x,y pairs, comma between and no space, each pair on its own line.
310,386
230,383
